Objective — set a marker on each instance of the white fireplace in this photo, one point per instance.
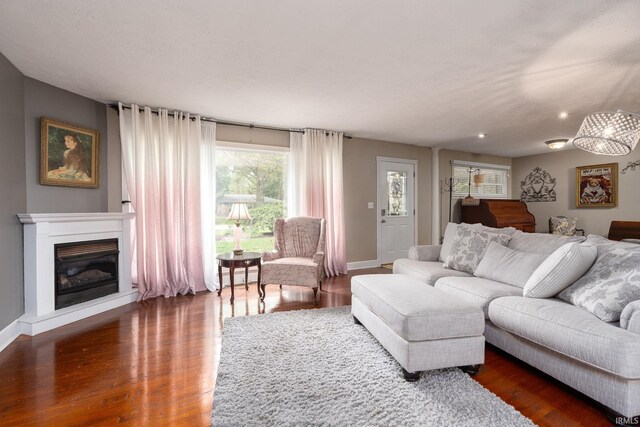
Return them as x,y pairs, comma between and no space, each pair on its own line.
41,233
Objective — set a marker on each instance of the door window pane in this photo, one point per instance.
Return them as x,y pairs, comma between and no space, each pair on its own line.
397,189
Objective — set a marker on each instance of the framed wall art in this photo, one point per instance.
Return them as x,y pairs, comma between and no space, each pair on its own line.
69,155
597,186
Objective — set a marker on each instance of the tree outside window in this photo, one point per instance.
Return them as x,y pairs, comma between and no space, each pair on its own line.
257,178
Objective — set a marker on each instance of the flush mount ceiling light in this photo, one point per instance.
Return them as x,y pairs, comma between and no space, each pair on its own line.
563,115
556,144
609,133
482,135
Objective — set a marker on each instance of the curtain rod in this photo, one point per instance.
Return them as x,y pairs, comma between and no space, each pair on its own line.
221,122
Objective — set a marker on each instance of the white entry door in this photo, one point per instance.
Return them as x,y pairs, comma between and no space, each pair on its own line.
396,208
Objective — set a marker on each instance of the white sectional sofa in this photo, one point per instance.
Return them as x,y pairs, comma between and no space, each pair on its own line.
599,358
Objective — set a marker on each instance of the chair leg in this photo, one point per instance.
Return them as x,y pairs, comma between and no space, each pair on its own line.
315,294
262,285
280,286
320,284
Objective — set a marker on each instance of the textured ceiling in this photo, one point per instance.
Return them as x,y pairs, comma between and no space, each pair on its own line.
432,73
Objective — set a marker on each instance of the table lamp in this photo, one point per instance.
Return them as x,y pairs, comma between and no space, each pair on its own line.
238,212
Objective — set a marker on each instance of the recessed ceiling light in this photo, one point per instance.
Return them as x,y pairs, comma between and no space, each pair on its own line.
563,115
482,135
556,144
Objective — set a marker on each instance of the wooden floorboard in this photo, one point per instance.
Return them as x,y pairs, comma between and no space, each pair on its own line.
154,363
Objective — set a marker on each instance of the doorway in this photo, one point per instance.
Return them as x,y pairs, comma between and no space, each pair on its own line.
397,194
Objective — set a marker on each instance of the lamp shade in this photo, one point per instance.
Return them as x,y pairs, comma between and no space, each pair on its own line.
609,133
239,212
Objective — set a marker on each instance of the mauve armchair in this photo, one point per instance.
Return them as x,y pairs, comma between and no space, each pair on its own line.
298,259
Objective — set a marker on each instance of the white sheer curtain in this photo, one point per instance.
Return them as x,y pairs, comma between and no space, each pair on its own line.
315,188
208,203
162,158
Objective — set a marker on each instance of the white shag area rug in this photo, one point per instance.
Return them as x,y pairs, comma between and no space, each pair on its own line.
317,367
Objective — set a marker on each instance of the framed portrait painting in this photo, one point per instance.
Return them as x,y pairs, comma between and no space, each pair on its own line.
597,186
68,155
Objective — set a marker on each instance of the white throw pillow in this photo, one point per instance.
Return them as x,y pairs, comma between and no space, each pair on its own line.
469,246
563,267
508,266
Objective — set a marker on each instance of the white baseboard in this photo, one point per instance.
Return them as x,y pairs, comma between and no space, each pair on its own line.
359,265
9,333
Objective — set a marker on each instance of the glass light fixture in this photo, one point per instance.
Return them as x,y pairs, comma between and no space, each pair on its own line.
556,144
239,212
609,133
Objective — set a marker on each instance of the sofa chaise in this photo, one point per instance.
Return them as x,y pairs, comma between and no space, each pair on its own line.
580,320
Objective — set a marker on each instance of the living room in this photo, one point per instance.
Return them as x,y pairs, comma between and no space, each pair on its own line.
455,90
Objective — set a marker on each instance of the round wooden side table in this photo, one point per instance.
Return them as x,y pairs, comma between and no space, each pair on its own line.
231,261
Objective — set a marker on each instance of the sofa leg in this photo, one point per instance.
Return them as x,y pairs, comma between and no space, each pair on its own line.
315,294
356,321
470,369
410,376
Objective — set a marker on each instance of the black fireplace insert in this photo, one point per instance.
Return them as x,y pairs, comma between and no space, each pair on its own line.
85,271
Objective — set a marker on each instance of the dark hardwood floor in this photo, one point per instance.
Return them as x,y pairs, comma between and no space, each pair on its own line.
154,363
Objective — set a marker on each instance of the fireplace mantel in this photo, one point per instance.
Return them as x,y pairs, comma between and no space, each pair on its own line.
36,218
44,230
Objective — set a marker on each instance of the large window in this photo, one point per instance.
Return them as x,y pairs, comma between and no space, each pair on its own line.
494,182
258,178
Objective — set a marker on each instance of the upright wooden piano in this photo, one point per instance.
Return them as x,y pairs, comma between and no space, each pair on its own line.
500,213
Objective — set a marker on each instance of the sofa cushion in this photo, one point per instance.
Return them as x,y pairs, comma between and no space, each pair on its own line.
506,265
560,269
538,243
469,246
425,271
415,311
476,291
571,331
610,284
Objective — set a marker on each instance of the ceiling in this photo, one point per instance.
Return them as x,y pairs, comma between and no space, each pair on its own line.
433,73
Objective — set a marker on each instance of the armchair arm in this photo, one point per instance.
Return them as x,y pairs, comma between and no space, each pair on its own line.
318,258
425,252
270,256
630,317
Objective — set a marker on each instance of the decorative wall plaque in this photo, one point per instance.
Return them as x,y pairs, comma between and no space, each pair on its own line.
538,186
631,166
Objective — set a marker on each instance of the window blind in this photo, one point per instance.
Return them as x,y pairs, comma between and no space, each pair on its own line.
495,185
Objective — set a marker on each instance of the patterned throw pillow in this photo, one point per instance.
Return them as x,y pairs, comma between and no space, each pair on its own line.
611,283
469,246
563,226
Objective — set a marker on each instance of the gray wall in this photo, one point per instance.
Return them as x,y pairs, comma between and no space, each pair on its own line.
360,187
24,101
114,162
561,165
41,99
12,191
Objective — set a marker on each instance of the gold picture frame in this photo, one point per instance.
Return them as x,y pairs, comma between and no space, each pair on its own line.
69,155
597,186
